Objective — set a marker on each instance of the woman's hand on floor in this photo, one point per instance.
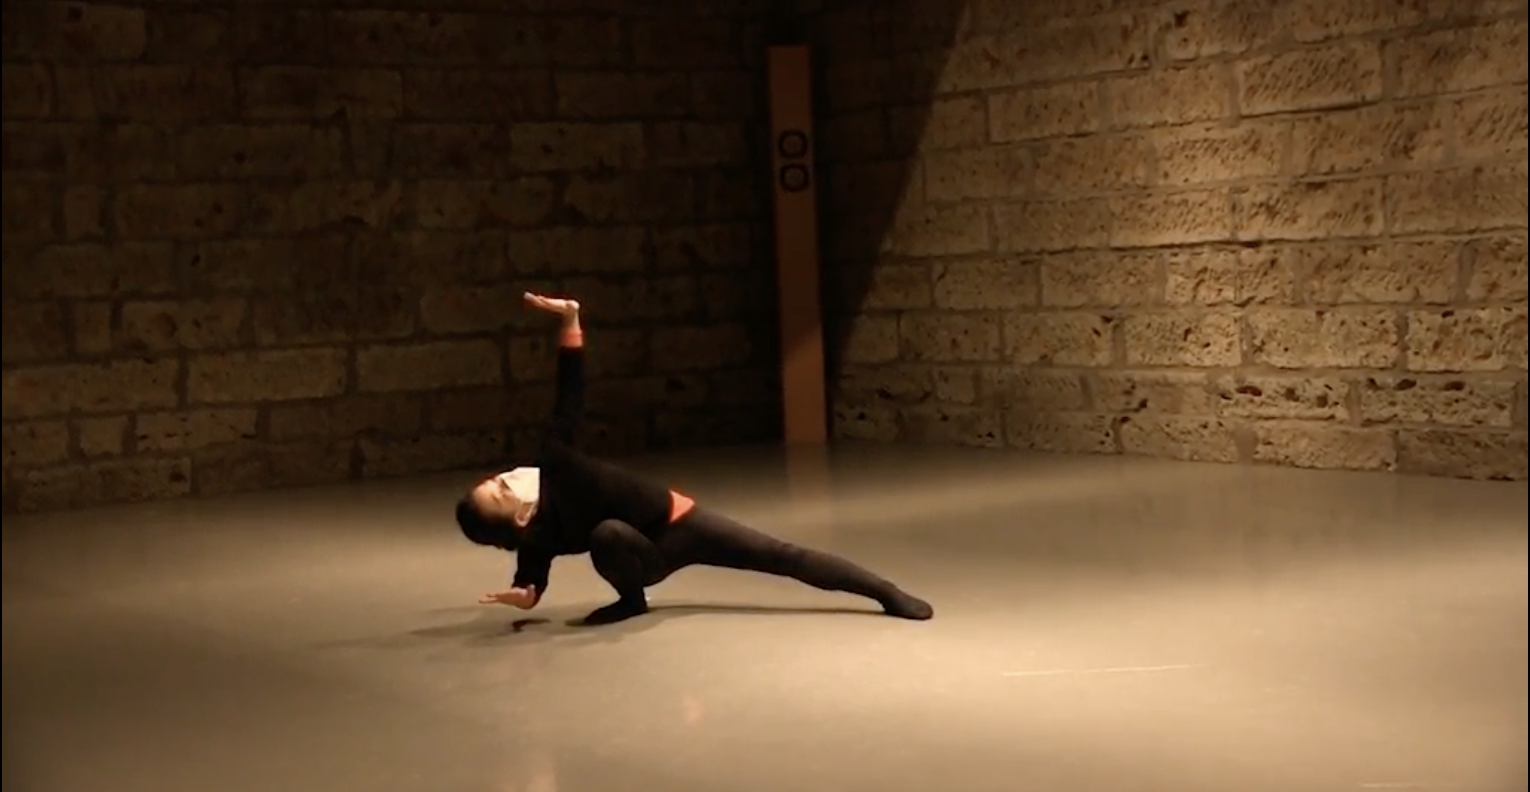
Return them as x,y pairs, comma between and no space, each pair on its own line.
516,598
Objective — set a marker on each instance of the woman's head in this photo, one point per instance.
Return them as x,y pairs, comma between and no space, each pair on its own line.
498,509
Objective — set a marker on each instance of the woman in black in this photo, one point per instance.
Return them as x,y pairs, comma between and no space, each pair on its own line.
637,532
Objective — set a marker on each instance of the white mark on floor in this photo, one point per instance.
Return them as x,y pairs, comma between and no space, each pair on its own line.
1116,670
1395,785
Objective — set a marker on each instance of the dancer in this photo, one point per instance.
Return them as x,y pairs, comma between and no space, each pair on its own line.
637,532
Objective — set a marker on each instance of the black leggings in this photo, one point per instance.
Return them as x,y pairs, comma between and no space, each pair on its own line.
631,562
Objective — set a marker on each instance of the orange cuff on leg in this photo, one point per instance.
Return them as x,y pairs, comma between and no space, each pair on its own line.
679,506
572,339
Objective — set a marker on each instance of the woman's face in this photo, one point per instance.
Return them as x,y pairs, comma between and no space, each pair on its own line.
496,500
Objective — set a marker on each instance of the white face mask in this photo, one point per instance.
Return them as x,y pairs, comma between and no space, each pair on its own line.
526,484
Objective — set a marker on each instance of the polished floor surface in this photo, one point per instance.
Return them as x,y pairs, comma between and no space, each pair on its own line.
1102,625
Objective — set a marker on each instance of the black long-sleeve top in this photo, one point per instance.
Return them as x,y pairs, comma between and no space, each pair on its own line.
577,491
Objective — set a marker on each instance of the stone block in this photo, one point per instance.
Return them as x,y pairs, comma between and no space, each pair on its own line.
584,40
946,123
950,337
1071,108
750,295
34,332
1059,339
1366,138
84,212
1466,339
1031,226
29,209
852,137
868,338
887,287
618,353
257,33
1170,218
1061,432
1176,95
1496,455
90,32
729,193
697,144
1291,338
28,90
475,409
510,97
1492,124
921,231
1219,276
1315,20
166,325
625,300
282,151
1458,199
367,36
92,328
1193,29
952,426
1312,210
700,347
190,430
234,377
1044,53
874,423
720,246
622,95
1310,79
431,453
987,283
1204,155
102,436
1104,279
1462,59
33,444
1324,446
181,34
368,312
1186,338
1437,400
1399,272
696,43
1305,397
319,206
94,270
178,211
1001,171
1037,390
1166,392
117,386
158,93
418,259
546,147
891,383
102,483
309,463
724,95
1184,438
393,414
428,366
1498,268
655,196
460,204
1087,165
566,251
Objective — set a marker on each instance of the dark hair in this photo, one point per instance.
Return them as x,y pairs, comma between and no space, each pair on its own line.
480,529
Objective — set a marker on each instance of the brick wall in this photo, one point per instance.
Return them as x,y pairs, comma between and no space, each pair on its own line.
1243,230
250,245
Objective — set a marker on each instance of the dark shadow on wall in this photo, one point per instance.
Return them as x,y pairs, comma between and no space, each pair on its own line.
878,65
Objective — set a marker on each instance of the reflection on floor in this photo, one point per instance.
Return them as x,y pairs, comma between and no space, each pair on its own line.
1101,624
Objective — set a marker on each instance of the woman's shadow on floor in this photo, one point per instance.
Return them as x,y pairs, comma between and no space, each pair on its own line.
567,624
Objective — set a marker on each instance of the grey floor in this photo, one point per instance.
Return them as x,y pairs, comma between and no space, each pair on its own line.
1102,625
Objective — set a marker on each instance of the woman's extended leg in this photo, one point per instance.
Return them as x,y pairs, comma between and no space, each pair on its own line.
711,539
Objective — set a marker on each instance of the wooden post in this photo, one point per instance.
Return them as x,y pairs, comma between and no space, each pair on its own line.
803,396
